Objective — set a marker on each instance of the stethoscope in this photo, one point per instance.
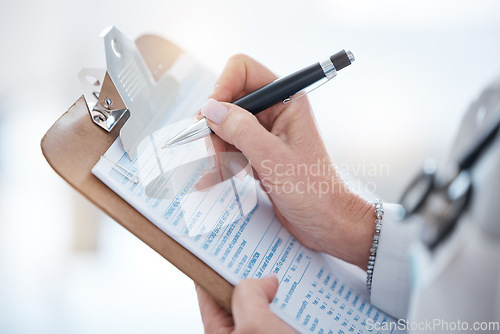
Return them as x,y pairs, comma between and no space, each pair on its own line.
440,201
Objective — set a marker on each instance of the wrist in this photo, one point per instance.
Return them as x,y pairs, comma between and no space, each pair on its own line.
352,228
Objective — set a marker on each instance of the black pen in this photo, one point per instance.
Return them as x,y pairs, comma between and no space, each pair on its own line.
280,90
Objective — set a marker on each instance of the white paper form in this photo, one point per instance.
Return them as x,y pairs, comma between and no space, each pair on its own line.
317,293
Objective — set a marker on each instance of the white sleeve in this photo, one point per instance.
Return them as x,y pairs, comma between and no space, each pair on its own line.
391,275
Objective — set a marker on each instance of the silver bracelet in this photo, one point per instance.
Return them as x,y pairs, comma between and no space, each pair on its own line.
379,214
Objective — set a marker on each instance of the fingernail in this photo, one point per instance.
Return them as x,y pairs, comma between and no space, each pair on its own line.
214,111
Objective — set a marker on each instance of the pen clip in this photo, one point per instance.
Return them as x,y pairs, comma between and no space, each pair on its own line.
330,73
312,87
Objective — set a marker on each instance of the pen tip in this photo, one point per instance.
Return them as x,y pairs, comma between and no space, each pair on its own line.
167,144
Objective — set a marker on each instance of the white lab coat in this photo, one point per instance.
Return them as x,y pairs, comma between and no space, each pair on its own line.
460,280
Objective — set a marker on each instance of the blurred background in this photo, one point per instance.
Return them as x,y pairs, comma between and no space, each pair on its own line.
67,268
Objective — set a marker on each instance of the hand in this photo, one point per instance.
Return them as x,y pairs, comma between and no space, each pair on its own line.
287,153
250,303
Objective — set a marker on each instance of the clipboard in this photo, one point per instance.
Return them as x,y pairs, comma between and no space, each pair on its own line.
81,136
74,144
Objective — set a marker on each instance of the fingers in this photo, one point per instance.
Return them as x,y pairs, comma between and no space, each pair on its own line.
241,75
215,319
251,300
241,129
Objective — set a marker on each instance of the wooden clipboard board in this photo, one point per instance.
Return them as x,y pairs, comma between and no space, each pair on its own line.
74,144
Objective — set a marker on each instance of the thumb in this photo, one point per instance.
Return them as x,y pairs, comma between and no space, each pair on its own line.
251,295
254,292
268,287
250,307
240,128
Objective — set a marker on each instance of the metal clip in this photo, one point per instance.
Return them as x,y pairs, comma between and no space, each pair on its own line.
149,101
105,105
330,73
312,87
91,81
